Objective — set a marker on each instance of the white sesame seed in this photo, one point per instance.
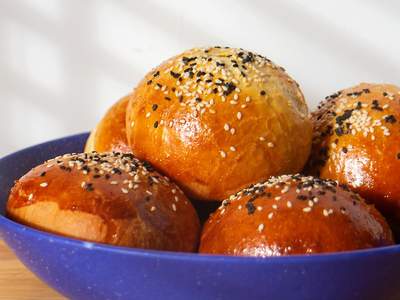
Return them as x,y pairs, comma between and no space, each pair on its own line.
270,145
270,215
262,139
148,115
235,97
325,212
277,198
153,208
259,208
132,123
113,182
173,191
307,209
44,184
149,193
232,131
260,227
274,206
226,127
176,198
232,148
285,189
222,153
125,191
248,99
289,204
310,203
30,197
173,207
212,111
239,207
239,115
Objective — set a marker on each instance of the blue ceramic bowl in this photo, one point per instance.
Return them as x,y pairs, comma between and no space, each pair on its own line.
82,270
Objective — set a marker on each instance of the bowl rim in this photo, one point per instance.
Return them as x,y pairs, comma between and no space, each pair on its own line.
9,226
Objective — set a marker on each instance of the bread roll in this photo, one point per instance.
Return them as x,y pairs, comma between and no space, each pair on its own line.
293,215
217,119
108,198
110,133
357,142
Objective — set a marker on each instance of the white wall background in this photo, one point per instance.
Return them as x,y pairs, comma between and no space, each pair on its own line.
63,63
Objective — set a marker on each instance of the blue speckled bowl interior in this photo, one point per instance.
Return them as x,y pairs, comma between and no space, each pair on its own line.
82,270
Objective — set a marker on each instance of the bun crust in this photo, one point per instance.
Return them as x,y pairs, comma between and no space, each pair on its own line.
357,142
109,198
293,215
110,133
218,119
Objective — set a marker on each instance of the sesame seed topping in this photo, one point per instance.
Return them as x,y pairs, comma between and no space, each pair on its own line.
226,127
153,208
239,115
307,209
289,204
270,215
222,153
270,145
260,227
173,207
232,148
30,197
44,184
125,191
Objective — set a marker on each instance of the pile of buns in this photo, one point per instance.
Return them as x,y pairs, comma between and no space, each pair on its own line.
228,126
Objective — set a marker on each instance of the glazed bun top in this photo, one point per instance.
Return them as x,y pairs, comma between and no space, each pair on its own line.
110,198
357,142
110,133
218,119
293,214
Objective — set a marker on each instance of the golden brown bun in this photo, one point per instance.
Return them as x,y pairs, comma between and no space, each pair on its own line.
110,133
109,198
293,215
357,142
218,119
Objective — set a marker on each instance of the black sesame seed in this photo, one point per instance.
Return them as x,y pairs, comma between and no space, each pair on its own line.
250,207
154,107
89,187
156,74
149,82
263,93
43,174
398,155
167,98
155,124
390,119
175,75
344,150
